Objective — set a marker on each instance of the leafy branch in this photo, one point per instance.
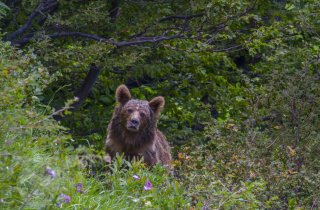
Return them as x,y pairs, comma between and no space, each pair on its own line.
3,9
136,41
44,7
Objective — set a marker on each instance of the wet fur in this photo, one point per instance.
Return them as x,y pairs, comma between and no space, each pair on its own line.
148,142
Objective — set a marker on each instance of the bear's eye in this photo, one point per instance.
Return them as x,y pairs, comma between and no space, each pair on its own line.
130,111
142,114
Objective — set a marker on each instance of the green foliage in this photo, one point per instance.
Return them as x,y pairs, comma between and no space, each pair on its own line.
241,90
209,184
30,143
33,145
3,10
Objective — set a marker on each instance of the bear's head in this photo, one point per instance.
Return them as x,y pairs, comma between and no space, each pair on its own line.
136,115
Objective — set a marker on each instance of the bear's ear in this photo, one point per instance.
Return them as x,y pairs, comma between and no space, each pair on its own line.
123,94
157,105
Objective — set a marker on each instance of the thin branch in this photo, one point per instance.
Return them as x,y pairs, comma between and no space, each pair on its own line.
23,41
141,32
181,17
138,41
143,40
114,11
55,115
223,24
24,27
228,49
117,70
78,34
272,143
217,27
44,6
28,37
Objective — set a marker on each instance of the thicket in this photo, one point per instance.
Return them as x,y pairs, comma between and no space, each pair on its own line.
241,82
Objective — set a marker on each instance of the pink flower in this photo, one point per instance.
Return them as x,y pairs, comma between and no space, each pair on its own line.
136,177
147,185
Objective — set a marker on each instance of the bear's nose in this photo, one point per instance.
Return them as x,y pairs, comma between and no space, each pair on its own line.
134,122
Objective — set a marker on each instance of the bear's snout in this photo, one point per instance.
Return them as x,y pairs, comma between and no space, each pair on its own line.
133,123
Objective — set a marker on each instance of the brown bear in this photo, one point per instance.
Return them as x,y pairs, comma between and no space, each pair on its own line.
133,129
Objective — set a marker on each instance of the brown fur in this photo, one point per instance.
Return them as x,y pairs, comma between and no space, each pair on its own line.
133,129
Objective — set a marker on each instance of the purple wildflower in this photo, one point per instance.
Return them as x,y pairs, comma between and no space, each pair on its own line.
136,177
65,198
50,172
79,187
62,199
147,185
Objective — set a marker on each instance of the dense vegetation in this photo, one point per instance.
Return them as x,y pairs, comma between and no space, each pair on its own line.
242,87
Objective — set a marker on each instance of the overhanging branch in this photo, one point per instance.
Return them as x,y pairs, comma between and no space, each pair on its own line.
143,40
138,41
44,7
181,17
24,27
78,34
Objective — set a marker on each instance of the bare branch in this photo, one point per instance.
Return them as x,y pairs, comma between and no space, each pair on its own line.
55,115
182,17
44,6
141,32
24,27
114,11
228,49
137,41
78,34
143,40
223,24
218,27
28,37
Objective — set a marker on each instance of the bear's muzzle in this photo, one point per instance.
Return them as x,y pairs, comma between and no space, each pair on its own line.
133,125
